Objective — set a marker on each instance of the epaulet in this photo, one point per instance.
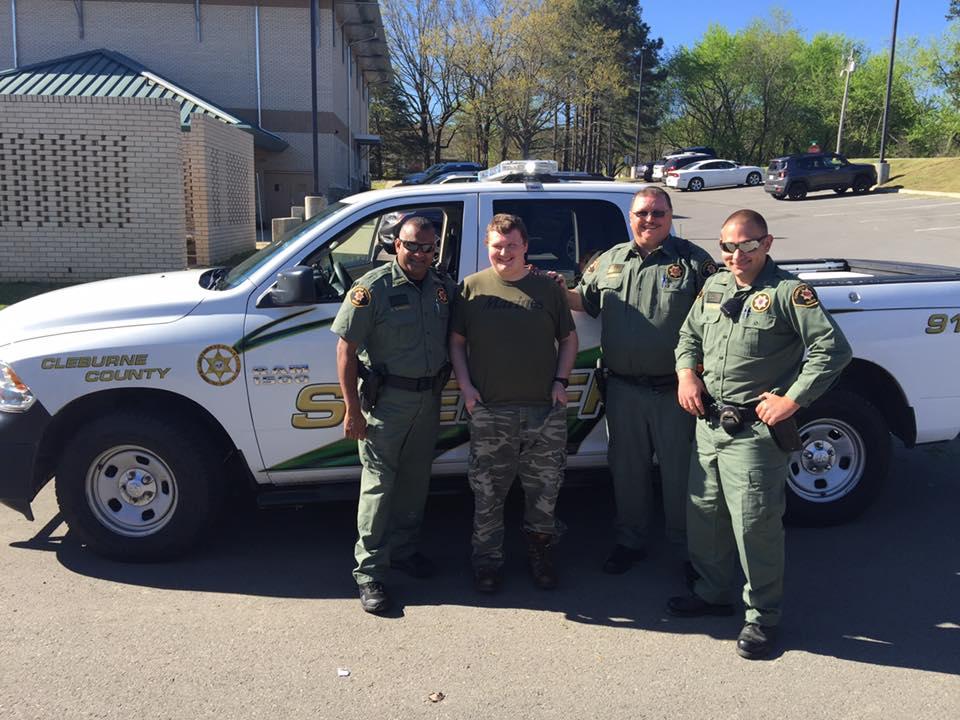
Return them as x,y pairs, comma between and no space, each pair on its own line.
371,276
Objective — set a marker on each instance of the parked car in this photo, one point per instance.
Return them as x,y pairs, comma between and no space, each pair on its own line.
439,169
681,161
793,176
702,149
713,173
453,177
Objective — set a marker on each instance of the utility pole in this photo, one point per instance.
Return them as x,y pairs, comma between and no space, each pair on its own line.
636,140
848,68
886,105
313,95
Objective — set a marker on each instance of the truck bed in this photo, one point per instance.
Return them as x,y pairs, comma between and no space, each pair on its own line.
837,271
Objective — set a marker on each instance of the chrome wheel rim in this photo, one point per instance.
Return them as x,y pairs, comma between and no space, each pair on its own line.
830,463
131,491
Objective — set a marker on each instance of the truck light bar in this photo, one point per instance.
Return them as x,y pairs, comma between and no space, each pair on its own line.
513,168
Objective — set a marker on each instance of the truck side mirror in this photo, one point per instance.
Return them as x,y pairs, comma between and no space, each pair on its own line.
295,287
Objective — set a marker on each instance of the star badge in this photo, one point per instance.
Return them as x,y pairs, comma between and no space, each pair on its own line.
219,365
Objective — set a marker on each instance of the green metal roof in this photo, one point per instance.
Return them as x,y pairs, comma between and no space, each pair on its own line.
104,73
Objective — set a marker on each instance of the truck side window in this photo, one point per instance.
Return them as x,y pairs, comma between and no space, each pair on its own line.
565,235
368,244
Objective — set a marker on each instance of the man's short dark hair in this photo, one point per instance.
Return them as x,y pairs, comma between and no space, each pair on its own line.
418,223
748,217
505,223
654,192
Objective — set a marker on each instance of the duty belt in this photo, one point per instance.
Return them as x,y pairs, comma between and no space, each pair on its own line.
654,382
747,413
420,384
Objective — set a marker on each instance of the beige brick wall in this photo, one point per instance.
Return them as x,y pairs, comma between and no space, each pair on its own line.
91,188
219,195
221,66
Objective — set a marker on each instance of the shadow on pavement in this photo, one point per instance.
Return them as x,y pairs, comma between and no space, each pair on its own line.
883,590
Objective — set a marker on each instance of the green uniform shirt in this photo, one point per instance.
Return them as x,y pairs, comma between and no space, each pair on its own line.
512,328
399,326
642,302
761,350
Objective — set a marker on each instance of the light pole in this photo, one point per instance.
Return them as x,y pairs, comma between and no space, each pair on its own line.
884,169
848,68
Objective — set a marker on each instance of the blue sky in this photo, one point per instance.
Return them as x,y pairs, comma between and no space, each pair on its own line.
683,22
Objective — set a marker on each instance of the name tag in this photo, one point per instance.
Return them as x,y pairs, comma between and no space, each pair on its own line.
615,269
399,302
713,297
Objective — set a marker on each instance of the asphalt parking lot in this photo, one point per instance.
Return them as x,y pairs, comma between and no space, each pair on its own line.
264,622
878,226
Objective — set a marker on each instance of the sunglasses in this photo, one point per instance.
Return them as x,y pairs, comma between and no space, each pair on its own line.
746,246
412,246
652,213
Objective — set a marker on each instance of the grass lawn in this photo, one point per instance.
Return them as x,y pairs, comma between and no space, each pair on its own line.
11,293
936,174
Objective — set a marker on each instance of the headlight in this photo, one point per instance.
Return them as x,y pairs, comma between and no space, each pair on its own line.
15,396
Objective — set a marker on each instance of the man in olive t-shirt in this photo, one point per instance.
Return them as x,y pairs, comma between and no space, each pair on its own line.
513,345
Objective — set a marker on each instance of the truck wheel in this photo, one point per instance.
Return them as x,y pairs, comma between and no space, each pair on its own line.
754,179
138,488
842,463
840,189
778,196
861,185
797,191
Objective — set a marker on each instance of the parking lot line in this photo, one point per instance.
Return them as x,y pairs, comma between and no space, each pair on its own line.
948,227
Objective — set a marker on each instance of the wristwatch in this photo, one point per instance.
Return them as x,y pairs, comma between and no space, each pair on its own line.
563,381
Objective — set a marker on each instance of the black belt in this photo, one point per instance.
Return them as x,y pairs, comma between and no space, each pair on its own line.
654,382
420,384
748,413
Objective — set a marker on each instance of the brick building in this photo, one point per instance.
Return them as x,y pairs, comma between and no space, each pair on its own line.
249,58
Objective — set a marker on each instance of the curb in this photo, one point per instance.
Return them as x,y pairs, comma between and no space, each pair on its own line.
933,193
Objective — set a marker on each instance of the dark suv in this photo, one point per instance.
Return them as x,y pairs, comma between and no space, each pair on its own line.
793,176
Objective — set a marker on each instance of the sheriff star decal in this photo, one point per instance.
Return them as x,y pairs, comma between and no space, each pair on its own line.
359,296
805,297
219,364
442,295
760,302
675,271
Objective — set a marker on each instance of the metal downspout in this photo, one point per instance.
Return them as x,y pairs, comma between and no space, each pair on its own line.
256,24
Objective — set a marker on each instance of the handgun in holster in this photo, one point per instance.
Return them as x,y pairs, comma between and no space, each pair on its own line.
601,375
786,435
371,383
440,381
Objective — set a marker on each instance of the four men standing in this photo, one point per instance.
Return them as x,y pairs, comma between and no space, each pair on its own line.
747,331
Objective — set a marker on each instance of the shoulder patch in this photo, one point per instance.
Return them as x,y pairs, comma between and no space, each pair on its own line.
708,268
359,296
804,296
593,266
760,302
675,271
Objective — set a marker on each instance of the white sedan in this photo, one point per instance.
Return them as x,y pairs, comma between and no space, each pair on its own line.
714,173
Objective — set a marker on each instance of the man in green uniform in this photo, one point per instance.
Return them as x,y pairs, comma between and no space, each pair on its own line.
393,333
642,291
517,400
749,329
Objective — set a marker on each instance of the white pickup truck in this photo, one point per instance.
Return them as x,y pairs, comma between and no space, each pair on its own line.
146,396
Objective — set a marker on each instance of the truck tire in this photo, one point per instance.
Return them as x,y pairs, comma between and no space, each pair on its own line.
861,184
839,189
843,462
797,191
139,488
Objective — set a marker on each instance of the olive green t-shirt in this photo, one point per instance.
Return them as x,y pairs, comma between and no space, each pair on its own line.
512,329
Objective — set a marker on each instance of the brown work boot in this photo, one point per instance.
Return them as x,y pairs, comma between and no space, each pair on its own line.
541,563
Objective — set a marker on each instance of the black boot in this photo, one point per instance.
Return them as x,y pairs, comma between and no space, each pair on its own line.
540,560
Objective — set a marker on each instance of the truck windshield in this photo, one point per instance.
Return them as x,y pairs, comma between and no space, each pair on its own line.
226,278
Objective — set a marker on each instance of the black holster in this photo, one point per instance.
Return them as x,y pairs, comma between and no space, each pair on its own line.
786,435
371,383
601,375
442,378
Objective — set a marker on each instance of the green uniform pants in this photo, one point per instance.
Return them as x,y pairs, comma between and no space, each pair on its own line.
396,457
641,420
737,499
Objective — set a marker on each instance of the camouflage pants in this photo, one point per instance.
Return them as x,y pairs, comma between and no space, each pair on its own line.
506,441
